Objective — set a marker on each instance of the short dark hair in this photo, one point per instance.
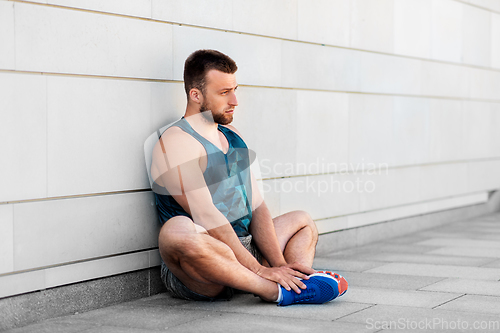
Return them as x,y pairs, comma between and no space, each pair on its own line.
200,62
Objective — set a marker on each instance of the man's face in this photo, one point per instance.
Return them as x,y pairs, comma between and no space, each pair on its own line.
219,96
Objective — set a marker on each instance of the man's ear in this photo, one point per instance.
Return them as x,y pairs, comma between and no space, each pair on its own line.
196,96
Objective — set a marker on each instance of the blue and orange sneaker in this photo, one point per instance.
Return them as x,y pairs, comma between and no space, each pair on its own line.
340,280
320,288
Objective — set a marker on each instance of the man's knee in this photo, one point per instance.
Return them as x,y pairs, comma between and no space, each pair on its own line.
180,238
308,223
175,235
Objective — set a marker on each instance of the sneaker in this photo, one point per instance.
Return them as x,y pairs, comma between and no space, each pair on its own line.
340,280
320,288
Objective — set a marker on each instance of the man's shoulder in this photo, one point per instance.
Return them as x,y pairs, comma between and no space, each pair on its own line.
174,141
232,128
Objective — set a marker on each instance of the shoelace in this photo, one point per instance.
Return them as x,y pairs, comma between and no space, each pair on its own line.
305,295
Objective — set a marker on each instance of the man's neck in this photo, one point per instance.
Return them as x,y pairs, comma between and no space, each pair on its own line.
202,123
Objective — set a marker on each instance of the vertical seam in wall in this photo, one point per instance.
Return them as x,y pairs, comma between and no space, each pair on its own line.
431,46
13,238
349,42
15,39
172,27
348,97
394,29
297,19
393,51
46,135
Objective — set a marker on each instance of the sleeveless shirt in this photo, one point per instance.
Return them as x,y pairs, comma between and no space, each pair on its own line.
227,177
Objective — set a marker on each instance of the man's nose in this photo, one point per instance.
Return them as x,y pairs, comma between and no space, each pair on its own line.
233,100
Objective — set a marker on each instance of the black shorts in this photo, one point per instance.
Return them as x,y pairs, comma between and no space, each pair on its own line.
179,290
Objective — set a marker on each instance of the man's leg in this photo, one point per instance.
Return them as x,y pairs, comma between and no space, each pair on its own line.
297,235
206,265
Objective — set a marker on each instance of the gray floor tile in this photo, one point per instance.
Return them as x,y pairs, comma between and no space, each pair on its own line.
342,265
493,264
484,235
141,317
399,248
433,257
460,242
53,327
242,323
466,286
409,239
467,252
480,273
437,320
389,281
117,329
161,300
253,305
398,297
474,303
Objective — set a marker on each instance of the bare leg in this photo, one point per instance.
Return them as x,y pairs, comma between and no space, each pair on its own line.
297,236
206,265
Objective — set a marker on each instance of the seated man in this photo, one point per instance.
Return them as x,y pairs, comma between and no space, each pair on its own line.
218,235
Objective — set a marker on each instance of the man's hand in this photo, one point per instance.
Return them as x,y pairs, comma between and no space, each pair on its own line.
287,275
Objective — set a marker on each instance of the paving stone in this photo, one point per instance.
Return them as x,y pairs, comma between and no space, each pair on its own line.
467,234
466,286
480,273
474,303
398,297
117,329
341,265
140,317
254,305
400,248
242,323
408,239
460,242
434,257
164,300
460,252
436,320
493,264
389,281
379,247
53,327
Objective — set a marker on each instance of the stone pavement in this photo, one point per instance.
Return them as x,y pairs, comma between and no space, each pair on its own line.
430,281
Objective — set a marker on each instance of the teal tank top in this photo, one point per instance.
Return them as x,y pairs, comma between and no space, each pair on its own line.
227,177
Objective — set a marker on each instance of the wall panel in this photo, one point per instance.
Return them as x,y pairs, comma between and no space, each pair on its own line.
68,41
67,230
7,49
23,137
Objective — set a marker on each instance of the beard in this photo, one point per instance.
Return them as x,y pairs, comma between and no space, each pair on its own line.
217,117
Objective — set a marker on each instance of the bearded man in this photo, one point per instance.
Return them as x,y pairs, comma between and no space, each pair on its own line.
217,233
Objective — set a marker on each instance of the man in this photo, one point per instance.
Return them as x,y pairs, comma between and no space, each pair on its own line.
218,235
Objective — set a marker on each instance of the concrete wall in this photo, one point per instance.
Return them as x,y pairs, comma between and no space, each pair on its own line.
409,89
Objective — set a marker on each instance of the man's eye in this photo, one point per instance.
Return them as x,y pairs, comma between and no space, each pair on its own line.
224,93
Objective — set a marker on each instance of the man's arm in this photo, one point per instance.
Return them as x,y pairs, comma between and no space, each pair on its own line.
262,229
180,172
264,233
